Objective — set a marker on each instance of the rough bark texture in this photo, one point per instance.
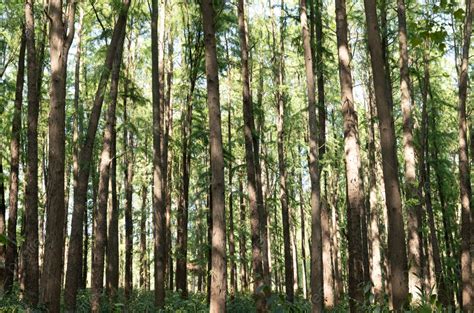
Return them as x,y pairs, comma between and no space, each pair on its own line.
464,169
396,236
159,222
143,254
11,253
355,199
106,162
243,239
218,279
30,249
74,261
317,294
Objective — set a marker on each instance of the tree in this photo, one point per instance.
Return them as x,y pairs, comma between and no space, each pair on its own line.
355,199
73,273
396,241
464,169
316,235
11,252
218,277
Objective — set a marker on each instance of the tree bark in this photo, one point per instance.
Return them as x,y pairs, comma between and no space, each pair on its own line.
106,162
11,253
396,236
74,262
243,239
256,221
218,279
143,253
464,169
412,197
355,199
30,249
317,293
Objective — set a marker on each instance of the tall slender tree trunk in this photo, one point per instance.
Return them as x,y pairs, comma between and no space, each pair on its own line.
355,198
375,244
218,279
256,221
60,39
74,262
396,237
11,253
143,253
30,249
303,236
112,241
106,162
243,239
412,197
159,222
464,169
317,293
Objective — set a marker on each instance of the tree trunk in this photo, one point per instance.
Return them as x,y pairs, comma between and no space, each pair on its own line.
243,240
30,249
60,39
218,279
73,273
412,197
256,222
317,294
128,146
159,222
464,169
303,236
112,241
355,198
396,237
11,253
106,159
143,253
320,77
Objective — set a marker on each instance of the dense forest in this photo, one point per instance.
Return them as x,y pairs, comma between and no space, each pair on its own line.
233,156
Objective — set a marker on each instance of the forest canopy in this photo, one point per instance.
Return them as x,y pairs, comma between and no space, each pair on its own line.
236,156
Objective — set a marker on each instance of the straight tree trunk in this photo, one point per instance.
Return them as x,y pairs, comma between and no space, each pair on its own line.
303,236
317,293
320,76
143,254
128,146
3,209
256,223
464,169
159,222
30,249
243,239
413,200
355,198
218,279
396,236
11,253
74,262
106,162
112,241
60,39
285,213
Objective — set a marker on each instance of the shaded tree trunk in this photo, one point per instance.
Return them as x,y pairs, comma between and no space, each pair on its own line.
11,251
464,169
218,278
143,253
159,222
317,293
396,237
256,222
243,239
